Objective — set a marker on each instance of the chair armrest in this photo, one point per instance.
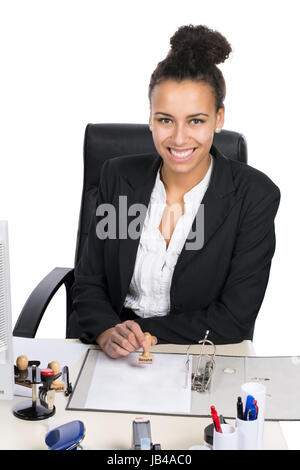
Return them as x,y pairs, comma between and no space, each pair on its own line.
36,304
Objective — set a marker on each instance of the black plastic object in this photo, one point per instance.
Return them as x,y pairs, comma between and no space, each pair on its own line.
33,410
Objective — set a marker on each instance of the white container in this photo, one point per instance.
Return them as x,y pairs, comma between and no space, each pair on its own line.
247,434
258,391
227,439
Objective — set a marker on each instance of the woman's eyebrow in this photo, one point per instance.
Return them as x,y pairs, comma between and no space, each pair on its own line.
190,115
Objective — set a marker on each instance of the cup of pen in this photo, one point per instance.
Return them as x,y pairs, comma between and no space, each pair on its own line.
226,438
250,421
225,435
247,433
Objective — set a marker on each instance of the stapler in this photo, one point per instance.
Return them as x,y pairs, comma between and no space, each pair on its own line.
66,437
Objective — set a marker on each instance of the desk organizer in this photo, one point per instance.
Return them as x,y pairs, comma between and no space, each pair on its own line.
34,409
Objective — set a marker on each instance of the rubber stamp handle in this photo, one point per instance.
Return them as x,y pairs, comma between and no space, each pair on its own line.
22,362
148,341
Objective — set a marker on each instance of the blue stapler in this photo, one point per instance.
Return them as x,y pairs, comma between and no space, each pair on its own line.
66,437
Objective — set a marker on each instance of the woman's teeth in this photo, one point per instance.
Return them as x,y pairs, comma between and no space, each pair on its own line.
181,154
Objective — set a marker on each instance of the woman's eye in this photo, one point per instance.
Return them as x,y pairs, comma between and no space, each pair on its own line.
197,120
163,119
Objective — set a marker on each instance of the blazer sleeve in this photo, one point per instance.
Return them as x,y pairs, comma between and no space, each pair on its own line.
230,317
92,310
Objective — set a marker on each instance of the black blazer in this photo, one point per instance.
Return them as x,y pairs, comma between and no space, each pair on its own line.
219,287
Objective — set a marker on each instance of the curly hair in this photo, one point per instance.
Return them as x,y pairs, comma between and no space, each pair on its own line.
194,54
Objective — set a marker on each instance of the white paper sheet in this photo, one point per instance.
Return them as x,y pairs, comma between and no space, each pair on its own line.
125,385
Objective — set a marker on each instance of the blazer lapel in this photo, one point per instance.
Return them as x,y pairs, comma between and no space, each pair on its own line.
136,192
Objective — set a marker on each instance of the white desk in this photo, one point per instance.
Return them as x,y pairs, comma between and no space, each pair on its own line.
114,430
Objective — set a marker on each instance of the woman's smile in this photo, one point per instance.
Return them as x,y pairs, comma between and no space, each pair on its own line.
181,155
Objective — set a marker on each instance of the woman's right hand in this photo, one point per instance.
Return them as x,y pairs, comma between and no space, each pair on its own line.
123,339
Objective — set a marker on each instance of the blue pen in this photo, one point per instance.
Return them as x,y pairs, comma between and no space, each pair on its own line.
249,401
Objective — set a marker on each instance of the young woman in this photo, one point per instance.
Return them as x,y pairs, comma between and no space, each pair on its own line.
203,255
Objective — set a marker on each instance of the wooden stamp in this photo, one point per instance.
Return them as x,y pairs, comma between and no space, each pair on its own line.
146,357
22,363
57,385
21,371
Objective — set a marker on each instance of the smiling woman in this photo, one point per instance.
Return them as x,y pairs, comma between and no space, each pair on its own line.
173,289
183,141
185,86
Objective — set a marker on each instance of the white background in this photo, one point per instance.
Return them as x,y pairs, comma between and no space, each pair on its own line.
67,63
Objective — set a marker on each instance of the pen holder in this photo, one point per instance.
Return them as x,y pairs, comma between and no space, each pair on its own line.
258,391
247,434
227,439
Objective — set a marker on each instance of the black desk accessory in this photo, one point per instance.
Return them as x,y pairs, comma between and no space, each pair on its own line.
41,405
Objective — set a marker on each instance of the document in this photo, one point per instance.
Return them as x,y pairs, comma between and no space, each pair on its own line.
126,385
106,384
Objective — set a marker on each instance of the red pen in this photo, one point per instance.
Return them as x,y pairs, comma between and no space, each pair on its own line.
256,407
215,418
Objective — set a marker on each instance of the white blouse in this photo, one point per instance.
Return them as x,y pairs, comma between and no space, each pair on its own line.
149,290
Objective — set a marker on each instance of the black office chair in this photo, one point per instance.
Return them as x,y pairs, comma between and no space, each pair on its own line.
103,141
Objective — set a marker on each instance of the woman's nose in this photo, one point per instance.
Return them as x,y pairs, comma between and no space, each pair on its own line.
179,136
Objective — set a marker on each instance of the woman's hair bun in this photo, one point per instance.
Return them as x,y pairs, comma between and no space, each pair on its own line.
208,47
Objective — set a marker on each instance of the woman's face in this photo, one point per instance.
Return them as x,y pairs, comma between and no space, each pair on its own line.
183,118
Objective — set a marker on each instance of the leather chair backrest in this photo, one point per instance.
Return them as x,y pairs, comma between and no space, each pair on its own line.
103,141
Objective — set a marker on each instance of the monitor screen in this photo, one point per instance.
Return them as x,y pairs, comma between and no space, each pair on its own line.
6,352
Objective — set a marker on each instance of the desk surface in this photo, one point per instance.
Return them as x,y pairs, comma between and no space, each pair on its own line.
114,430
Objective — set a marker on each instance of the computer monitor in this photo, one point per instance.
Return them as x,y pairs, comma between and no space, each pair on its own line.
6,350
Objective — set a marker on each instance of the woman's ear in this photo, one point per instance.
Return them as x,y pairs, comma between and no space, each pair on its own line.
150,118
220,118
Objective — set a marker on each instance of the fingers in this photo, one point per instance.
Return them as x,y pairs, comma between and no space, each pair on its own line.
109,343
118,344
123,339
130,332
135,328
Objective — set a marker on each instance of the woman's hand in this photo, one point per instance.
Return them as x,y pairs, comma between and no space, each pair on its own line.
123,339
